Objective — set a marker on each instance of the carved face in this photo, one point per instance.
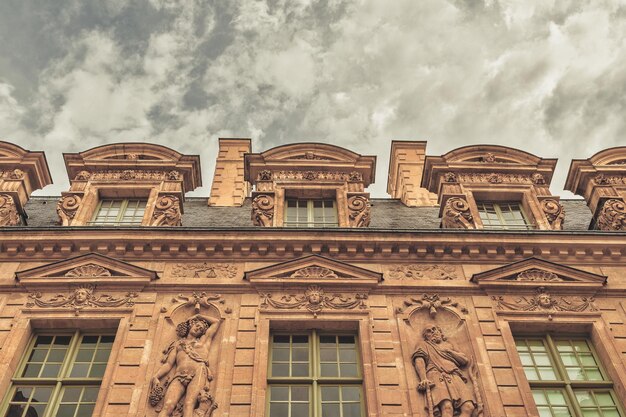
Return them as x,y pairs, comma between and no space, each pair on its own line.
544,300
315,297
81,295
434,335
198,328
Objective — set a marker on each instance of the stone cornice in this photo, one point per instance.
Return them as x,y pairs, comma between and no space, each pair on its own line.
342,244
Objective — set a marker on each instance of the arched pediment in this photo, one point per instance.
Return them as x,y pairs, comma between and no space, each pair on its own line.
612,156
310,152
131,151
91,268
534,272
491,154
11,150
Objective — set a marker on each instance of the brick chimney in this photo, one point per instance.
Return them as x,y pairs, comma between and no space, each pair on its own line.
229,188
406,164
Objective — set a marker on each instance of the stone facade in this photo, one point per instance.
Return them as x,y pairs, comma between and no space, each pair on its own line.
437,316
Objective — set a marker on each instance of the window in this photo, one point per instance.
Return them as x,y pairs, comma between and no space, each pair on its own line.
503,215
310,213
314,374
119,212
566,378
59,376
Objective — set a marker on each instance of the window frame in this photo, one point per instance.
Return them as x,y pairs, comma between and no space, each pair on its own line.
310,210
61,381
315,381
124,206
502,223
562,382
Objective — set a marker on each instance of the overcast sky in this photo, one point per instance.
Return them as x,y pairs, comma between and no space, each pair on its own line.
548,77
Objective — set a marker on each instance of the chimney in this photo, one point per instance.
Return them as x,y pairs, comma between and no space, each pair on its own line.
406,164
229,188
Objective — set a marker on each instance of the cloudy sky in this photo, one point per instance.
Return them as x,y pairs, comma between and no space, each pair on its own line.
546,76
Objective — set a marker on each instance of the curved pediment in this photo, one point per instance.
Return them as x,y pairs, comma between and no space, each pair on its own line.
310,152
314,269
491,154
131,151
611,156
534,272
91,268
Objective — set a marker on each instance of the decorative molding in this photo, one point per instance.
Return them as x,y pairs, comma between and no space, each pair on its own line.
495,178
263,210
314,272
457,215
538,275
554,211
81,297
67,207
488,158
431,302
603,179
316,175
538,179
359,211
544,302
450,177
310,156
83,176
9,215
16,174
612,216
204,270
88,270
423,271
167,211
265,175
314,300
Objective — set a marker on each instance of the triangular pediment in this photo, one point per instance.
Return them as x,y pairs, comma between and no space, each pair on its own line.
90,268
314,269
533,272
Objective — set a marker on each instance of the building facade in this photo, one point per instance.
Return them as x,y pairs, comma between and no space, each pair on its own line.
290,292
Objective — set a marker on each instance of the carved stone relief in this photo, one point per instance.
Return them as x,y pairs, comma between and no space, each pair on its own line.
181,385
423,271
263,210
316,175
359,211
432,303
67,207
496,177
8,211
555,213
82,296
89,270
544,302
612,216
167,212
314,272
538,275
16,174
314,300
204,270
603,179
456,215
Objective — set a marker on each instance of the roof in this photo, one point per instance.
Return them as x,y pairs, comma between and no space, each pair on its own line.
386,214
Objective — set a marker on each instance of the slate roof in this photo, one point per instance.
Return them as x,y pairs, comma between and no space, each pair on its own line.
386,214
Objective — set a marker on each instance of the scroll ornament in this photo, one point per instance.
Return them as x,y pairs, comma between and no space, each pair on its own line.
438,272
167,211
538,275
82,296
8,211
263,210
88,270
314,300
612,216
67,207
204,270
359,211
456,214
432,303
555,213
544,302
314,272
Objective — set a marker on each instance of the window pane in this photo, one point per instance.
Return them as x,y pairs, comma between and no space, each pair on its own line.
533,354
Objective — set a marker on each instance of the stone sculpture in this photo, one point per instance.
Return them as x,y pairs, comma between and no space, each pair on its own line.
441,370
182,381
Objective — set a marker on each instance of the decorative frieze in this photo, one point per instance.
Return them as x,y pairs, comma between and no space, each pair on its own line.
457,215
315,300
359,208
423,271
128,175
612,216
543,301
604,179
167,211
263,210
9,215
204,270
554,211
311,175
497,178
81,297
432,303
67,207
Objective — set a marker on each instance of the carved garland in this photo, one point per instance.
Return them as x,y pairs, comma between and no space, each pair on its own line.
612,216
431,302
354,176
128,174
8,211
263,210
456,214
314,300
204,270
167,212
67,207
544,302
555,213
359,211
439,272
81,297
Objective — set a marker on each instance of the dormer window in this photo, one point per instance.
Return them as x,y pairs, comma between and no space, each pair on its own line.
119,212
310,213
503,215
